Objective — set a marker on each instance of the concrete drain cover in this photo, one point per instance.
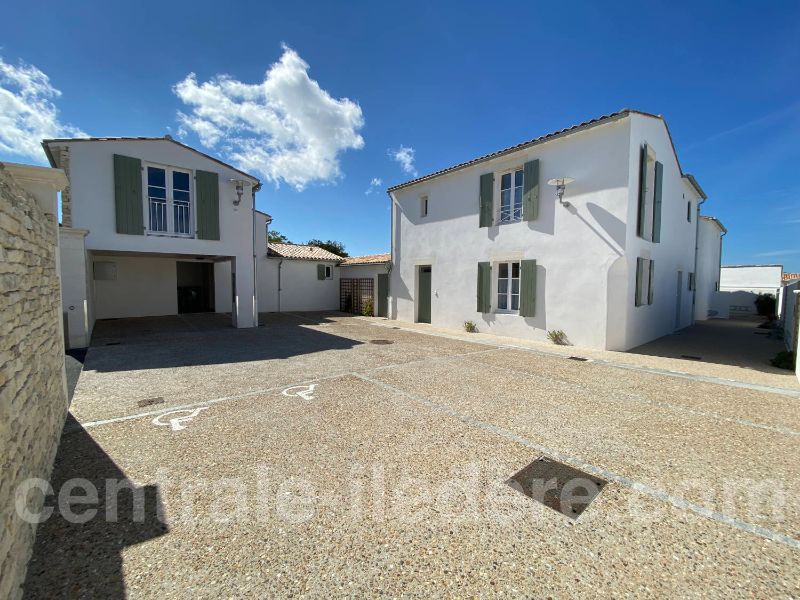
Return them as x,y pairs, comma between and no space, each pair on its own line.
381,342
557,486
580,358
690,357
150,402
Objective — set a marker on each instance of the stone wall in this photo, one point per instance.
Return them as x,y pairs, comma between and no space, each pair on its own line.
33,401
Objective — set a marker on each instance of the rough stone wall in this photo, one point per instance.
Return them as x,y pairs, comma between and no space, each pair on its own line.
33,402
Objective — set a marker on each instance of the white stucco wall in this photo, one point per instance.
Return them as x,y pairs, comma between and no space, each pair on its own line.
92,195
739,286
144,287
586,254
300,290
709,246
75,290
369,271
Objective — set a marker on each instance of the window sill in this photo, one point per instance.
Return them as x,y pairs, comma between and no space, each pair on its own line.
500,311
186,236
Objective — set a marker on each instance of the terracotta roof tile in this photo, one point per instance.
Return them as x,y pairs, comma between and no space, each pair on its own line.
301,252
369,259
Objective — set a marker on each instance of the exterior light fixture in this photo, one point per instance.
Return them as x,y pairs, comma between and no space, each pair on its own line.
560,184
239,191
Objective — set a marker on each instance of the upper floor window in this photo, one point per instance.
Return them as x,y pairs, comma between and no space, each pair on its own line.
328,272
508,286
169,200
689,211
423,206
511,196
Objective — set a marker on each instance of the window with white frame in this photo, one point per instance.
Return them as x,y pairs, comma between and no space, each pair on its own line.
508,286
169,200
511,196
423,206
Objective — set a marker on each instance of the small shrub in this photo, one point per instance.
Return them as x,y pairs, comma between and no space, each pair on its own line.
367,308
784,360
470,327
765,305
558,337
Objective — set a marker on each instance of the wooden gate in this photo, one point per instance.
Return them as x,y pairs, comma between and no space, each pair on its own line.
354,294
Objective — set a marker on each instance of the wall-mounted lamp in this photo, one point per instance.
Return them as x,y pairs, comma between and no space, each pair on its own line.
239,191
560,184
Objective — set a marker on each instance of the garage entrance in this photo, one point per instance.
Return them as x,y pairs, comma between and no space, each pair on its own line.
195,287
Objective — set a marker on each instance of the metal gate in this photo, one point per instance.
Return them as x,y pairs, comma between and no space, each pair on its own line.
354,294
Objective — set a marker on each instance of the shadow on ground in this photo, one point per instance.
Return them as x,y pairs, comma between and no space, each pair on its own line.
207,339
84,560
735,342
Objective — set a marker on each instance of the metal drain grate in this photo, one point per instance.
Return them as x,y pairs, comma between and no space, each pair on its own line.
690,357
112,343
381,342
150,402
557,486
580,358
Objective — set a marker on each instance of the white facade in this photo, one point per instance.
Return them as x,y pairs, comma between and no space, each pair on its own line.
286,285
367,271
586,252
740,284
140,272
708,302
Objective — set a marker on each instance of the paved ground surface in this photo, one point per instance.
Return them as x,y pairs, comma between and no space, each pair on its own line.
389,475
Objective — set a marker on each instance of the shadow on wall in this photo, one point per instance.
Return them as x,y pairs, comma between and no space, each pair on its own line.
740,303
153,343
613,226
616,296
84,560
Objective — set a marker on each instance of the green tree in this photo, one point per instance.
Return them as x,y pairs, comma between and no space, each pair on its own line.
276,237
330,246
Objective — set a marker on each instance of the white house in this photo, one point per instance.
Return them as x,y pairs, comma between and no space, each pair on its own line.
740,284
153,227
708,300
611,263
367,277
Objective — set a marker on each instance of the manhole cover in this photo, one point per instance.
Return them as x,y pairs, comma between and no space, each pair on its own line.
690,357
557,486
150,402
580,358
381,342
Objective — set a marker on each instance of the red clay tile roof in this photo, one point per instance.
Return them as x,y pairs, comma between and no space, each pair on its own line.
791,276
369,259
301,252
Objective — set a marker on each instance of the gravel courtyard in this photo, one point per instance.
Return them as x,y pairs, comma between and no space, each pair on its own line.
326,455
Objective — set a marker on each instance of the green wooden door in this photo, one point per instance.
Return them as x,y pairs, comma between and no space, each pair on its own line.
383,295
424,295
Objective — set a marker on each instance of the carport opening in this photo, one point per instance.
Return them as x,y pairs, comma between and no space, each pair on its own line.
195,287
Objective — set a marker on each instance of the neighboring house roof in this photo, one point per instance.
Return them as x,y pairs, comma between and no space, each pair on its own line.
791,276
551,136
714,220
167,138
369,259
300,252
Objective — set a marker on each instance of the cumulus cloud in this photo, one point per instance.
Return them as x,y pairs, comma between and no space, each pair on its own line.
27,112
405,157
285,128
374,185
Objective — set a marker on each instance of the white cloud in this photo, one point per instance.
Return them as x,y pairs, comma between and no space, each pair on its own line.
27,112
286,128
374,185
779,253
404,156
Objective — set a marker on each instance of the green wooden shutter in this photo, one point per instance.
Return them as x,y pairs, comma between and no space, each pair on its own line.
484,287
642,191
207,193
530,191
657,203
651,284
486,200
527,295
128,198
639,275
320,271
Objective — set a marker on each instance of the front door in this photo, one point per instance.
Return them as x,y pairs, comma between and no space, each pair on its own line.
383,295
424,295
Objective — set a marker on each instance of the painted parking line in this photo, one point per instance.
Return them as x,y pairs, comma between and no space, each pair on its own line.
795,393
578,463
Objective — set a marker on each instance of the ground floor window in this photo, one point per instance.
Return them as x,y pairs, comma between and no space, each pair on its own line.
645,270
508,286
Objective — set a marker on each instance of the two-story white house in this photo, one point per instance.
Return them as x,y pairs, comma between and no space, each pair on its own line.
152,227
610,262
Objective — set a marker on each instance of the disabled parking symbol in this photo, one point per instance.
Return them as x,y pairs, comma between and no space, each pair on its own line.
178,423
306,392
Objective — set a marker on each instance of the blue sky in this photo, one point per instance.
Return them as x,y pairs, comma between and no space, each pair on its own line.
441,82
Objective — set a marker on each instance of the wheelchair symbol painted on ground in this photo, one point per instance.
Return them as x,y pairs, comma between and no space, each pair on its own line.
306,392
177,419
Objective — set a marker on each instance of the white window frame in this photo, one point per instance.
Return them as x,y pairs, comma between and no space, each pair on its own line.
170,201
423,206
328,272
499,194
508,294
